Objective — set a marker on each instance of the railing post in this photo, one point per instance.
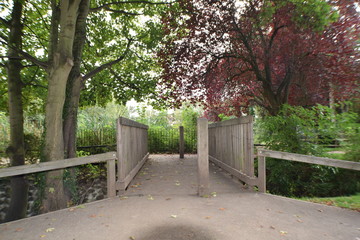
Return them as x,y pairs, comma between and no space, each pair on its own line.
111,178
262,174
120,156
181,142
203,156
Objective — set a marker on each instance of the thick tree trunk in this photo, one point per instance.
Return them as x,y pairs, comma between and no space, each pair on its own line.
19,187
74,84
58,76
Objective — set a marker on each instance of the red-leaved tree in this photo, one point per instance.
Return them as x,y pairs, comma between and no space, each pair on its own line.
234,54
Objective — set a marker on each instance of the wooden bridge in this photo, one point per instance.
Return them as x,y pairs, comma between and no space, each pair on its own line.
161,200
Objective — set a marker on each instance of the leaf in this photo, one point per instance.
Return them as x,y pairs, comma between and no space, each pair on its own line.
19,230
51,190
132,237
282,233
208,217
81,206
123,197
213,194
42,236
150,197
222,209
49,229
173,216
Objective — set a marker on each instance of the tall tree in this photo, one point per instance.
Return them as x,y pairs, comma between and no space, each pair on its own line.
16,151
232,55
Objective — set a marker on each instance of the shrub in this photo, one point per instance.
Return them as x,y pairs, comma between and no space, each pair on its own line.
301,130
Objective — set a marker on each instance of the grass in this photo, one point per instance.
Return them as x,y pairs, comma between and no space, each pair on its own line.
350,202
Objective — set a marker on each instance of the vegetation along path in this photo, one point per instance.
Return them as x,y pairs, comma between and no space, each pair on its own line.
161,203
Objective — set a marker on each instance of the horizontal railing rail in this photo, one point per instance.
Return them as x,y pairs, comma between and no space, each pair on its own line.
109,158
263,153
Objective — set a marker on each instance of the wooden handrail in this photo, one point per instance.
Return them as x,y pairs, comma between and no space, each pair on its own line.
263,153
310,159
109,158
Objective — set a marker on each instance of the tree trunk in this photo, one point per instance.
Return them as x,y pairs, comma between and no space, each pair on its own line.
58,76
19,187
74,84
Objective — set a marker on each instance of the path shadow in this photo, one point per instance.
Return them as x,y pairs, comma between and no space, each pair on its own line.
179,232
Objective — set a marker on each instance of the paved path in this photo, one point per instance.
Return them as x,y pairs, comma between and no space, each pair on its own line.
161,204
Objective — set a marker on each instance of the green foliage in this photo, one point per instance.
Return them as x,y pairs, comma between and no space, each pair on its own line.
166,140
350,202
300,130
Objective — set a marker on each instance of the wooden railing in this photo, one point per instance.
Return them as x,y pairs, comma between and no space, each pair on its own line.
231,147
109,158
132,150
263,153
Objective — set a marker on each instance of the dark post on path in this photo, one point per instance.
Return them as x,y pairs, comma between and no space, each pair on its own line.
181,142
203,156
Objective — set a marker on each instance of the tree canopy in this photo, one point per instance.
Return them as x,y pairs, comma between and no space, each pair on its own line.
235,54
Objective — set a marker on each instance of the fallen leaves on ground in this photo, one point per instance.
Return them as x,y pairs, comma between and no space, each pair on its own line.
49,229
132,237
173,216
123,197
18,230
282,233
222,209
150,197
42,236
208,217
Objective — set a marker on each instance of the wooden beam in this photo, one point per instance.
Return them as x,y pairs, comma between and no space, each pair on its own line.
131,123
111,178
232,122
181,142
252,181
53,165
310,159
203,156
262,174
122,184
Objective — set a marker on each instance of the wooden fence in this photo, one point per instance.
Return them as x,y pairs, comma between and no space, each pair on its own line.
132,150
109,158
262,154
231,147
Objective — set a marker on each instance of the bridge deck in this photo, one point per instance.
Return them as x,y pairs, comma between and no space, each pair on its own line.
161,203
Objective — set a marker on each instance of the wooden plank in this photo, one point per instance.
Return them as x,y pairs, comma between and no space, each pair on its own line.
250,146
54,165
310,159
231,122
122,184
252,181
111,178
261,174
181,142
203,156
131,123
120,150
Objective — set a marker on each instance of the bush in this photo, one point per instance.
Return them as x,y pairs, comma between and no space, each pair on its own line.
300,130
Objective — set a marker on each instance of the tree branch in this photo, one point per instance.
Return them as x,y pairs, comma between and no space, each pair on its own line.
104,6
5,22
130,85
27,56
108,64
122,11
